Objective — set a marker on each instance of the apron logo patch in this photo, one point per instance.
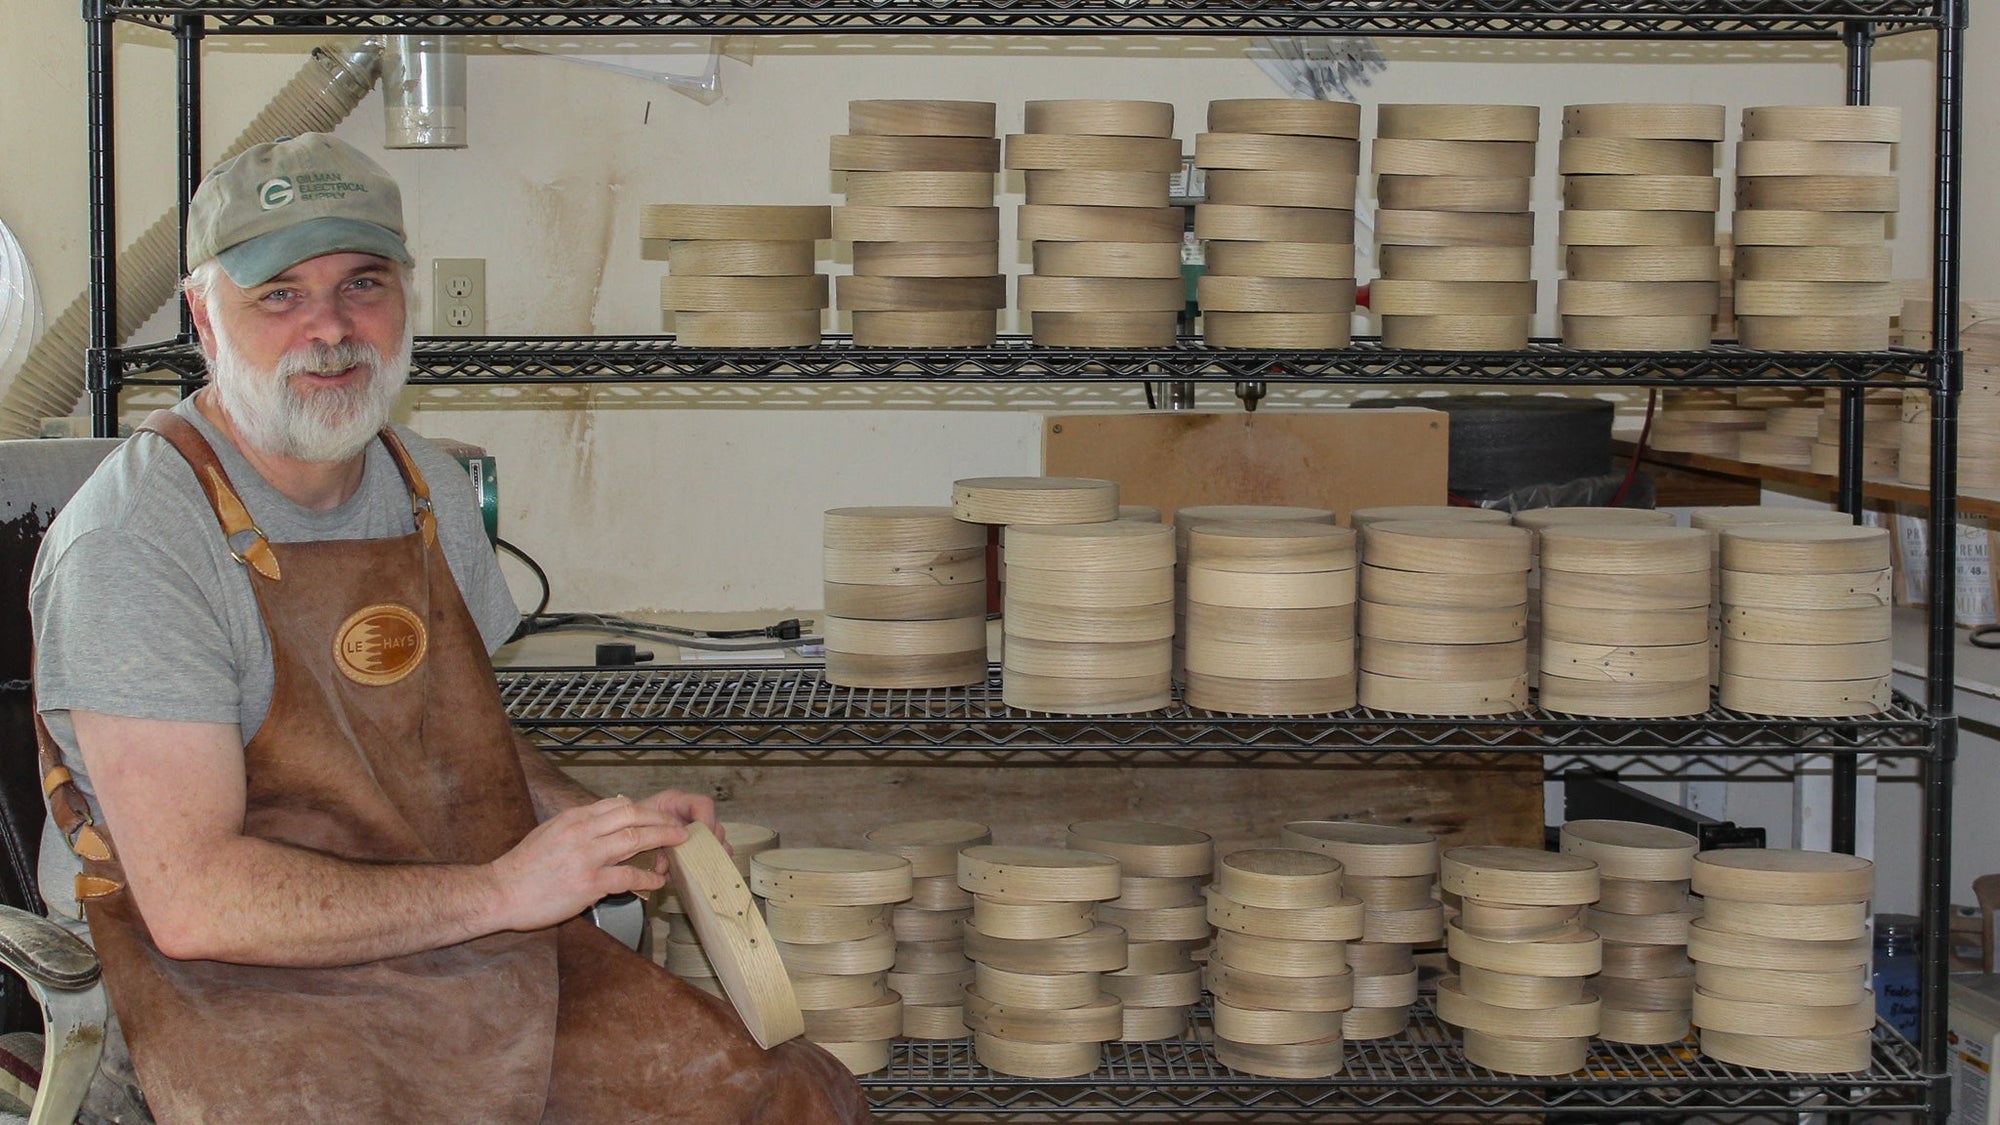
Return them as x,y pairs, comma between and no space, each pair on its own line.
380,644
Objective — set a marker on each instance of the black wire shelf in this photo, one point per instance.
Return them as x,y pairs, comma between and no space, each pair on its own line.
523,360
1594,19
1424,1069
791,714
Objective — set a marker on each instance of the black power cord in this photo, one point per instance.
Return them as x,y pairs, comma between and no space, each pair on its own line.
784,634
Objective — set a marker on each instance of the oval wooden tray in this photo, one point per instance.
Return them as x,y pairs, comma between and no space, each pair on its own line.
1280,957
866,153
1839,921
1454,263
1881,124
1644,263
1339,922
1066,187
926,259
1113,545
1374,1023
1266,152
1077,152
1281,188
1625,156
1786,876
1521,876
1036,990
1470,625
1510,922
1827,987
1459,122
1699,193
1099,117
1663,121
1010,500
1239,223
1146,849
1809,228
1577,953
1037,874
919,189
1457,546
920,118
1036,1060
736,257
830,876
1819,193
1641,896
1453,193
1422,925
1824,1055
1636,228
734,221
1628,850
1281,878
1708,945
743,294
1300,1061
931,846
1462,1011
1100,949
1643,1027
1096,1022
1509,1055
1640,929
1235,985
1365,850
1107,259
804,923
739,948
1296,116
1511,990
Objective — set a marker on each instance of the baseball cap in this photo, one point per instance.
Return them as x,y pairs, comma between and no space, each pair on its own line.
277,204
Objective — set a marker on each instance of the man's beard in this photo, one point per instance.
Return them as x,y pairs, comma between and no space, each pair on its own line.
323,424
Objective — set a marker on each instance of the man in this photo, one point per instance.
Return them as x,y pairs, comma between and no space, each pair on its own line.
326,879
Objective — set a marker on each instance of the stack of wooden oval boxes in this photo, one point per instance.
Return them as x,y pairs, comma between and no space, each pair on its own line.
1453,235
1041,955
1272,610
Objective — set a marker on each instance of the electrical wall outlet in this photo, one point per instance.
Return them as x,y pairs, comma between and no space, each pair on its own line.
458,296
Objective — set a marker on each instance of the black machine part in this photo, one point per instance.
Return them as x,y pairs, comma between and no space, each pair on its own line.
1500,443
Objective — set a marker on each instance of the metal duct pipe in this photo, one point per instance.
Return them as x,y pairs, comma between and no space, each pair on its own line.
322,94
423,92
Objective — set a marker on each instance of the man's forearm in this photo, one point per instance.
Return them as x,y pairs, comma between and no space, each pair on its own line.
273,904
549,788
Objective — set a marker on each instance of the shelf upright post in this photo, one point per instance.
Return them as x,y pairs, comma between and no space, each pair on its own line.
100,367
1859,39
188,32
1946,375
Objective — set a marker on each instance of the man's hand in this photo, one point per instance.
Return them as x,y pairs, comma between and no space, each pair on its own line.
683,809
579,855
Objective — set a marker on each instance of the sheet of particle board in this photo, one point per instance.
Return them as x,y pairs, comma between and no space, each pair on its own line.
1338,459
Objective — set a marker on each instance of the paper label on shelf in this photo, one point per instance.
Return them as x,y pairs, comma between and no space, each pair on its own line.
1971,1080
1974,601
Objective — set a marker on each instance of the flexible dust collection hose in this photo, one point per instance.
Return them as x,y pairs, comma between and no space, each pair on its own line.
325,90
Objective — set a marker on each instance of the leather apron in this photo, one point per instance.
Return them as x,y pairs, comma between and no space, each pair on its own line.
386,741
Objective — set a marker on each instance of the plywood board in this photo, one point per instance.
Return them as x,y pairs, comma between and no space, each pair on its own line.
1338,459
826,805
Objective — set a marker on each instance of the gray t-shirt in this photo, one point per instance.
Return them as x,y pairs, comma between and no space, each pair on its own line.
139,610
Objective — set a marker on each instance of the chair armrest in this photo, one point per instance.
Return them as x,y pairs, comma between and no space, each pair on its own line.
62,973
45,953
